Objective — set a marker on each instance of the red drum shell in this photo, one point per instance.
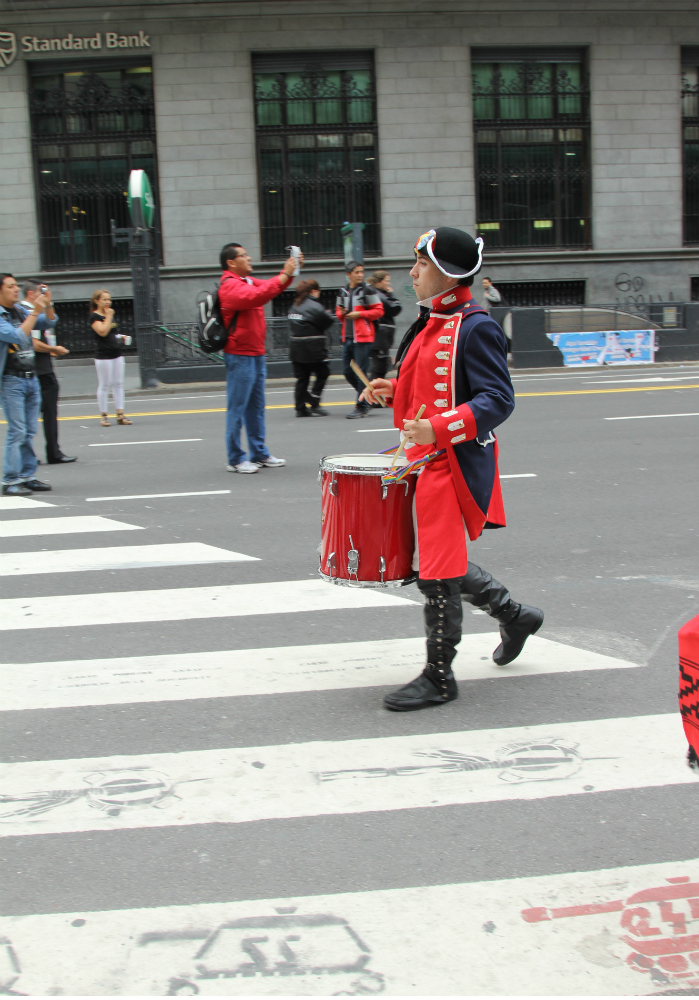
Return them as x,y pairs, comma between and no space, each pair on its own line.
356,514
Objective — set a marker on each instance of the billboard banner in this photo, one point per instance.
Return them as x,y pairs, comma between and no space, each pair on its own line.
606,347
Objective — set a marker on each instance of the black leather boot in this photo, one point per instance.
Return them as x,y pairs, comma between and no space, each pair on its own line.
517,621
514,635
436,684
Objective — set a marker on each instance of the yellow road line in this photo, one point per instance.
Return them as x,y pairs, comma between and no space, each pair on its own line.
219,409
290,406
592,392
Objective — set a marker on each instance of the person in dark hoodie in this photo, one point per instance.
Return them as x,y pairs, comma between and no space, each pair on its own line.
308,347
385,326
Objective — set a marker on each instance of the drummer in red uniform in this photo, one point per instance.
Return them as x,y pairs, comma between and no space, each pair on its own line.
453,360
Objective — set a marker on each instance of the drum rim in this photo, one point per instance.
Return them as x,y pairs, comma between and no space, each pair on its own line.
368,584
362,470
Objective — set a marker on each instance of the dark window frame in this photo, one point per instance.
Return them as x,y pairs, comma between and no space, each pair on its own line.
689,96
280,175
556,125
97,127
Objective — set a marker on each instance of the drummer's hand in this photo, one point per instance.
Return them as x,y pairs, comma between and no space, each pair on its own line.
379,387
419,431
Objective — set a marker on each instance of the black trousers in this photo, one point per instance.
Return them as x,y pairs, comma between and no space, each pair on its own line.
380,363
49,411
302,373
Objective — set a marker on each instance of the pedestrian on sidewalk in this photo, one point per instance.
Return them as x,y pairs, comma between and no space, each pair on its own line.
385,327
43,333
19,389
358,305
492,296
109,356
308,347
242,299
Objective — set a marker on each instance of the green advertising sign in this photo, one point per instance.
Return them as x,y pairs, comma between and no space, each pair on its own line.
140,200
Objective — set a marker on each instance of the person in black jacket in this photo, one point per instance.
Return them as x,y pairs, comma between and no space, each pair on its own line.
386,326
308,347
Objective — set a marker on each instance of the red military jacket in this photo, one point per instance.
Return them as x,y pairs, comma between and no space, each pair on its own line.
457,367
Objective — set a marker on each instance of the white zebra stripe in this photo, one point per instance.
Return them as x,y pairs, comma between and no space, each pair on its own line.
62,526
223,674
322,778
186,603
122,557
468,939
22,503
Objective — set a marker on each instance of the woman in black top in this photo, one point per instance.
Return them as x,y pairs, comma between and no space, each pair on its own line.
308,347
109,359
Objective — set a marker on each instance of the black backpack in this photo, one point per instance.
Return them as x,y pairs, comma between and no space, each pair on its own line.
212,332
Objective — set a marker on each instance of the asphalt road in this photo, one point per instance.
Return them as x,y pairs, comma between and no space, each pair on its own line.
600,477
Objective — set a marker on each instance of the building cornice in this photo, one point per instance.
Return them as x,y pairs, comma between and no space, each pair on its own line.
156,9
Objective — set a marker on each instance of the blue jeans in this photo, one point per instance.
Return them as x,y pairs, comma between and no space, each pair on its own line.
21,401
245,389
360,354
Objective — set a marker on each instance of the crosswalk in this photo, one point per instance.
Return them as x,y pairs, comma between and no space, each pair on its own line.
155,872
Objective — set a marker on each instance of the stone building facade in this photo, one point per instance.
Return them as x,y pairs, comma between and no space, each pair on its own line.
636,153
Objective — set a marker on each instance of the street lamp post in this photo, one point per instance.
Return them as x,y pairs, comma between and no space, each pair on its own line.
145,278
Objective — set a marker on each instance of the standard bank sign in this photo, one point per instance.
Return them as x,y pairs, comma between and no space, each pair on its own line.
101,42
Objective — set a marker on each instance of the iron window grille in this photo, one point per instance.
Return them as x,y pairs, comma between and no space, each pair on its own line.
531,117
690,150
530,294
90,127
317,151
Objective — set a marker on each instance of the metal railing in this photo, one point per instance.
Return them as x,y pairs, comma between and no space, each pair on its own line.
180,346
613,316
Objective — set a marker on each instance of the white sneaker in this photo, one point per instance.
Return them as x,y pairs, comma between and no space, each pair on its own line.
246,467
271,463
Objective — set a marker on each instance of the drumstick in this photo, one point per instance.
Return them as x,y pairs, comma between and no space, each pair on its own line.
402,444
360,374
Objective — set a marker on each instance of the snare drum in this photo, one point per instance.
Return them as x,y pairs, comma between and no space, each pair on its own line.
367,534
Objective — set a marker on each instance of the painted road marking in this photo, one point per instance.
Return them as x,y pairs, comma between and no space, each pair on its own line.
62,526
654,416
520,475
636,381
594,392
279,669
383,941
156,496
324,778
120,444
377,430
123,557
188,603
22,503
352,402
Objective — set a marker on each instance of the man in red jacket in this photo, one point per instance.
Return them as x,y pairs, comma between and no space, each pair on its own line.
242,300
358,305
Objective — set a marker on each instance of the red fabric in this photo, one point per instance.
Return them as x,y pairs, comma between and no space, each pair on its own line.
689,681
443,514
236,295
363,327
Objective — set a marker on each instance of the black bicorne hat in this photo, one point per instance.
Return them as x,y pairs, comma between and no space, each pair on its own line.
454,252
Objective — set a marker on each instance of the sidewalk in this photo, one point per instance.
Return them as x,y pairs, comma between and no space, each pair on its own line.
78,379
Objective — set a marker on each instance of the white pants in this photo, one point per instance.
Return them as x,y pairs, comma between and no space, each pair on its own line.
110,375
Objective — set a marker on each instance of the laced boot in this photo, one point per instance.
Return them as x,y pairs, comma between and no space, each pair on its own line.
436,685
517,621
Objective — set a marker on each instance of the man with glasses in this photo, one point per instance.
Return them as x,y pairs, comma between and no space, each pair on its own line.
43,332
453,361
19,388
